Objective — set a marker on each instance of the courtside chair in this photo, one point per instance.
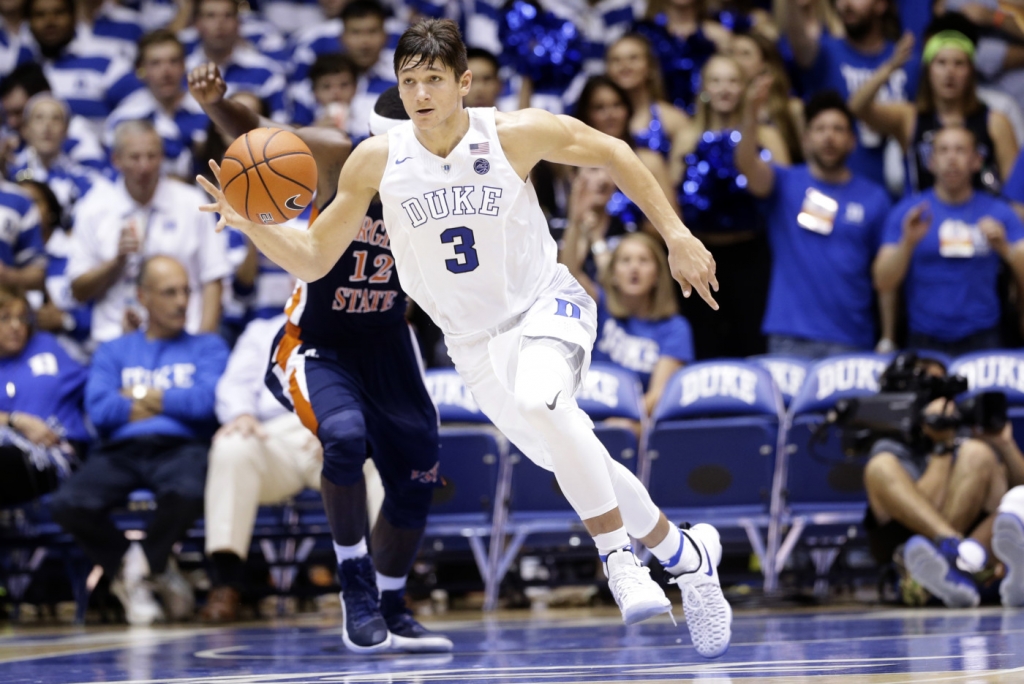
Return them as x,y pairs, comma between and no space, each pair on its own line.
998,370
816,483
474,478
788,372
712,448
537,505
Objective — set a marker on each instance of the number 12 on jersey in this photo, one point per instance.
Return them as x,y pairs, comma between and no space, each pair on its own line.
465,256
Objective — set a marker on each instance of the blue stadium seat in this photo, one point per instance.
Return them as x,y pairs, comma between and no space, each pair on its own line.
537,505
788,372
713,446
476,476
816,483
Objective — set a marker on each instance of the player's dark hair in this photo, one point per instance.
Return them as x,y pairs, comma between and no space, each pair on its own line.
827,100
389,105
29,76
360,9
486,55
429,42
157,37
332,63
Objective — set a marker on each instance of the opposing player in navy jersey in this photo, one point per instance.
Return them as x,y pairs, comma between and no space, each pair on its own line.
347,364
473,249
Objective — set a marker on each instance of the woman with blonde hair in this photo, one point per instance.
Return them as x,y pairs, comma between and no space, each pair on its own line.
719,210
631,63
639,326
947,96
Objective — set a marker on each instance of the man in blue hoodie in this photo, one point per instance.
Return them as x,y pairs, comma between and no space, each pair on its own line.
151,396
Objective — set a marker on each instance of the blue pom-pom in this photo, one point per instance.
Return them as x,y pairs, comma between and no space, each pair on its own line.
540,45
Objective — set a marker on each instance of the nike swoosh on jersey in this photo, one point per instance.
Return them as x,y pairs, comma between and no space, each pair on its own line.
554,401
400,161
292,205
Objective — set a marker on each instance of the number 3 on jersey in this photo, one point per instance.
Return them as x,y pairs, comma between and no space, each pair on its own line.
465,256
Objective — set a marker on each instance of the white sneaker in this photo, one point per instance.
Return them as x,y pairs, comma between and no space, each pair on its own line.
1008,546
175,592
639,597
708,614
132,590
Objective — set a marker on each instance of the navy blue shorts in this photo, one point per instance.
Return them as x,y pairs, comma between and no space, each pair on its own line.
364,396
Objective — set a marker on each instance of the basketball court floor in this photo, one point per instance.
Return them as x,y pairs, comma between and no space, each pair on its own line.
777,647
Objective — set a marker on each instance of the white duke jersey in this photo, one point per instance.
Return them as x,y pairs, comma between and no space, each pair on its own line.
470,241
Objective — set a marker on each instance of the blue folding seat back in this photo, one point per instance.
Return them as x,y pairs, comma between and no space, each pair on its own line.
715,437
997,371
818,470
788,372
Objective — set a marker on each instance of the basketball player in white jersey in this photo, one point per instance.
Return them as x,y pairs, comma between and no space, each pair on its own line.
472,248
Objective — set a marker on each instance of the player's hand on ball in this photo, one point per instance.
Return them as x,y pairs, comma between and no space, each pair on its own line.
694,267
206,84
228,216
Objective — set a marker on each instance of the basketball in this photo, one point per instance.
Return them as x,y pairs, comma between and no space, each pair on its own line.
268,175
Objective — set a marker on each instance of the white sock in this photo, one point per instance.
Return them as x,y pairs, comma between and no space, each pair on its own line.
385,583
676,554
972,556
345,553
607,542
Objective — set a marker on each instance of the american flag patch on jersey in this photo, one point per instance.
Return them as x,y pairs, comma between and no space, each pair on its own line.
480,148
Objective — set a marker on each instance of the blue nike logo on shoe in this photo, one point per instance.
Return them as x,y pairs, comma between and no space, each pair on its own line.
399,161
711,570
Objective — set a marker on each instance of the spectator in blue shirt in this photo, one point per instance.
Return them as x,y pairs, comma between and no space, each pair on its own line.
824,227
42,433
177,117
639,326
947,246
150,395
22,259
364,40
843,64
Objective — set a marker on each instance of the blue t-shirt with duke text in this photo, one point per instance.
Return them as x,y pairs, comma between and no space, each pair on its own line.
636,344
840,67
950,287
824,238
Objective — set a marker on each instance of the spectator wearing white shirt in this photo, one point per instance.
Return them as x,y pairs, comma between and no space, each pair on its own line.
110,28
364,40
144,213
243,67
262,455
165,101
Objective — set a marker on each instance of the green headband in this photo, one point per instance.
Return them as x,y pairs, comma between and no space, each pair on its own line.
947,39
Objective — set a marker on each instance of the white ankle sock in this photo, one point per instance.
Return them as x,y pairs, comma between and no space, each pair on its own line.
676,554
972,556
385,583
608,542
344,553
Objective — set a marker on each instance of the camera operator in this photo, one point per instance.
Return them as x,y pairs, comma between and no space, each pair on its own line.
939,494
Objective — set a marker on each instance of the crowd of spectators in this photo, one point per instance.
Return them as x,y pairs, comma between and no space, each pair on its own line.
853,165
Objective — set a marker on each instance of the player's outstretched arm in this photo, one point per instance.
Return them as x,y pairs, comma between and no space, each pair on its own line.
330,147
530,135
310,254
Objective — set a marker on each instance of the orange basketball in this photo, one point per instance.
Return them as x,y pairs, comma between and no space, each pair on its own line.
268,175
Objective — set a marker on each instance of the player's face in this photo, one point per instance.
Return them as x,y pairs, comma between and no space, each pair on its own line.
431,94
486,86
51,22
954,158
14,327
627,64
163,70
829,140
335,88
164,294
364,38
949,74
138,158
723,84
635,272
747,53
608,113
45,127
217,24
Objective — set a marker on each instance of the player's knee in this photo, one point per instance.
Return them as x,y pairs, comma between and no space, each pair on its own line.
408,509
343,435
976,456
879,470
540,385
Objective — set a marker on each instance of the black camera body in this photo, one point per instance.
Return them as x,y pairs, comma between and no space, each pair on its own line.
897,411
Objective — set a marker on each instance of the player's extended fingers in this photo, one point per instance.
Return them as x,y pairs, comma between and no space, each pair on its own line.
210,188
705,294
713,279
215,167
